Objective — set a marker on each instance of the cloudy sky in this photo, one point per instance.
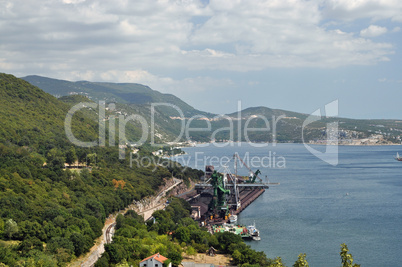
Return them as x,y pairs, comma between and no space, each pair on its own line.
288,54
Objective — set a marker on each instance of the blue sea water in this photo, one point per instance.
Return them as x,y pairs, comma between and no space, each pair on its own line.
318,206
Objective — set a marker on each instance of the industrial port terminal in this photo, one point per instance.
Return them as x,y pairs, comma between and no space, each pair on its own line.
221,196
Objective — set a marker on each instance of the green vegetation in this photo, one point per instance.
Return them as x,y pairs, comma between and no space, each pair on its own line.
173,233
301,261
347,258
50,215
60,208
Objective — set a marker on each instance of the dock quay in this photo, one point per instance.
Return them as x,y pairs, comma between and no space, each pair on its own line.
247,197
221,196
201,202
200,198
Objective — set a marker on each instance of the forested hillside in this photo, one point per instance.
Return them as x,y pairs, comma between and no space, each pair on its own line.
124,93
50,214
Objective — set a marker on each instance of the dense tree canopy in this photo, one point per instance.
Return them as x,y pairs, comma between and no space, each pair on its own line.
48,212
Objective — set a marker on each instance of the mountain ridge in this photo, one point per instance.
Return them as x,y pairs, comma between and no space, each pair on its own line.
137,99
125,93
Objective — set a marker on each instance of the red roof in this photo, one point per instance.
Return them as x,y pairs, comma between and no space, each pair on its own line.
157,257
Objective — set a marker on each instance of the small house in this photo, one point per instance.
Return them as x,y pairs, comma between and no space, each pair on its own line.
155,260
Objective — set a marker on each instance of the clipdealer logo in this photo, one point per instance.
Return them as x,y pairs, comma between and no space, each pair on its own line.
330,155
149,131
120,121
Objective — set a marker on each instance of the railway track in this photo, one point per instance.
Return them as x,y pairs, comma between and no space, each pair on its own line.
108,235
91,258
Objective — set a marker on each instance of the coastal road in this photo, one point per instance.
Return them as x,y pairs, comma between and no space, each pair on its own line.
154,203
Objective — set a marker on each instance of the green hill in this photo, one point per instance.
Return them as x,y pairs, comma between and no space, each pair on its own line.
123,93
50,214
31,117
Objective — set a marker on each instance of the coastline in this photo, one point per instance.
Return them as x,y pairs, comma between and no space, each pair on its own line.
324,142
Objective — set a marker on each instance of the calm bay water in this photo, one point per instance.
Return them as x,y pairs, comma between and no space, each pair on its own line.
317,206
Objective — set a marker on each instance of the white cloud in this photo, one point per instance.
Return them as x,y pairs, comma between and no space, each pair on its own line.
357,9
278,34
373,31
102,39
72,1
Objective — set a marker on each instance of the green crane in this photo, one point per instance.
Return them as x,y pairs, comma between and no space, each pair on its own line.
252,179
219,199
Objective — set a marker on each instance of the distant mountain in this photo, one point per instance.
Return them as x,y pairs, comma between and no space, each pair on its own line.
280,125
130,99
124,93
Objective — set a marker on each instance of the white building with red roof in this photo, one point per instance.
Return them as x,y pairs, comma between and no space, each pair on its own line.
155,260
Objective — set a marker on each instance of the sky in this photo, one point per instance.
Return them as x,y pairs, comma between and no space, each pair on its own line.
287,54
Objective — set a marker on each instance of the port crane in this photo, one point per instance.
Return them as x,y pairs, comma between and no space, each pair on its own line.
253,175
228,191
219,200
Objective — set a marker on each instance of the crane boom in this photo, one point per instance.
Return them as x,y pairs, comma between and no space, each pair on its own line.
255,174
